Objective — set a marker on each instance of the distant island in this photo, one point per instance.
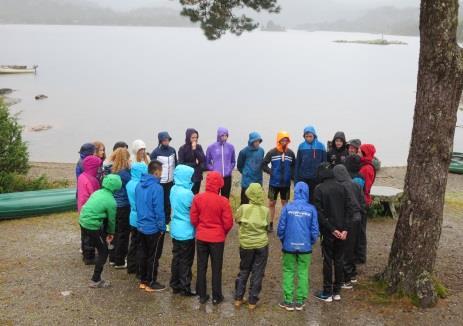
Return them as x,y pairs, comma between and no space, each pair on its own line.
373,42
272,27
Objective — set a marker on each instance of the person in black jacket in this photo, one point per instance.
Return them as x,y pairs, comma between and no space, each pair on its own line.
192,154
338,152
334,217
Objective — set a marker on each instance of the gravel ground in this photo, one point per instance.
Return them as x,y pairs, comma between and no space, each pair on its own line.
44,282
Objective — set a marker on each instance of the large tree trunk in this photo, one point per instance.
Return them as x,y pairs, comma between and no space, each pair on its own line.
440,82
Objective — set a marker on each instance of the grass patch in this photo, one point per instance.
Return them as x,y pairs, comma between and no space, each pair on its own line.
441,289
376,293
454,200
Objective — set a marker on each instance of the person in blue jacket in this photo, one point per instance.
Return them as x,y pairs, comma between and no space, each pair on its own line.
151,224
182,231
250,164
310,154
137,170
298,232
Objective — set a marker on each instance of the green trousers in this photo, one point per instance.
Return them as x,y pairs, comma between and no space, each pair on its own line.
296,264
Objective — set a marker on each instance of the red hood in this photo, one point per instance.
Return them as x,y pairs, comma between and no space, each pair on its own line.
368,151
214,182
91,164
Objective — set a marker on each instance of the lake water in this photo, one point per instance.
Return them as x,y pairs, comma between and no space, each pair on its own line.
124,83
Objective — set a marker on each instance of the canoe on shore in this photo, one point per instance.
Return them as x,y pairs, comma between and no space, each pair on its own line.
30,203
18,69
456,165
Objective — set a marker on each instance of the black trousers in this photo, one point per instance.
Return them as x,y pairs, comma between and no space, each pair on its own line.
132,261
253,262
121,244
333,256
148,254
361,245
167,208
312,183
183,254
215,251
350,268
88,250
196,187
98,240
227,184
244,198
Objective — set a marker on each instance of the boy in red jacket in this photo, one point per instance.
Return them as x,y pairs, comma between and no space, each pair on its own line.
211,215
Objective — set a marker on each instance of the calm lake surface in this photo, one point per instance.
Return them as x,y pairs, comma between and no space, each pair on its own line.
124,83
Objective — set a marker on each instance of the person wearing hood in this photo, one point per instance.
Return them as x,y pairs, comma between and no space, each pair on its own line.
282,160
139,152
87,184
167,155
100,210
353,146
136,171
334,209
357,200
298,232
253,220
211,215
338,152
220,157
250,164
310,154
86,149
182,231
151,224
121,166
192,154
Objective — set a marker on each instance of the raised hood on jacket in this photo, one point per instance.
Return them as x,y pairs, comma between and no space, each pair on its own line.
341,174
182,176
301,191
188,133
148,180
137,170
112,182
220,132
91,164
255,193
254,136
325,171
214,182
339,135
163,135
368,151
310,130
137,145
280,136
86,150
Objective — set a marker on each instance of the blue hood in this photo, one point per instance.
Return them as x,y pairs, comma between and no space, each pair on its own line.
301,191
137,170
182,176
163,135
87,149
310,129
220,132
148,180
253,136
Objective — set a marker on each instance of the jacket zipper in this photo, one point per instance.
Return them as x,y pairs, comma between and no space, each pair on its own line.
223,164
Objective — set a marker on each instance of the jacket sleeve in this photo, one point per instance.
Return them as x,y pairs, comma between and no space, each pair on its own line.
293,168
314,230
194,213
241,160
322,217
199,155
297,165
154,155
209,159
181,155
111,211
227,216
158,207
175,156
266,162
282,224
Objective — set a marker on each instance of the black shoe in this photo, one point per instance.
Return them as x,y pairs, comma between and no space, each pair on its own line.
205,299
188,293
156,287
217,301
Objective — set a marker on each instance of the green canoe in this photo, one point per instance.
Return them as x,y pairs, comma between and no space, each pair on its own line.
456,165
28,203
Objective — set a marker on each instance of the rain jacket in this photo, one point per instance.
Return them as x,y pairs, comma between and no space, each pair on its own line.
101,205
282,163
220,156
167,156
137,170
253,219
309,157
181,198
250,162
136,146
211,213
298,225
355,191
193,158
149,200
88,182
86,149
121,197
367,169
338,156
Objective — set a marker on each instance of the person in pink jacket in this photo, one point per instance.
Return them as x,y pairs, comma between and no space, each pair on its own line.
88,183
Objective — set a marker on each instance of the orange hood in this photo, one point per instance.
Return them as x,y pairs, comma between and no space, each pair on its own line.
280,136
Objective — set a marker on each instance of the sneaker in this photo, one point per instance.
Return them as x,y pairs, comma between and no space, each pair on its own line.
337,297
299,306
121,266
155,287
288,306
324,297
203,300
270,227
347,285
353,280
99,285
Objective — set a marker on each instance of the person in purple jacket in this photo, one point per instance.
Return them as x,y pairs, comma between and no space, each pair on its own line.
220,157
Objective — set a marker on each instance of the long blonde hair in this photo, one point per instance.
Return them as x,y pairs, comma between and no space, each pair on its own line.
120,159
99,145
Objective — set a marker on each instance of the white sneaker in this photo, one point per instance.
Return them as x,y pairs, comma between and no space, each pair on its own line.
353,280
337,297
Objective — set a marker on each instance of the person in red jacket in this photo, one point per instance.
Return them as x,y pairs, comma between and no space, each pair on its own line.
211,215
368,170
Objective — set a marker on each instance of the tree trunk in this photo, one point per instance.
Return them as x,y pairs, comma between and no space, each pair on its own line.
440,83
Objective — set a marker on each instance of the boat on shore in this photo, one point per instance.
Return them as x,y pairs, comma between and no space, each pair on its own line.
15,69
456,164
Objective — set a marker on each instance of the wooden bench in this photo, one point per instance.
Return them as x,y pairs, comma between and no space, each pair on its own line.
387,196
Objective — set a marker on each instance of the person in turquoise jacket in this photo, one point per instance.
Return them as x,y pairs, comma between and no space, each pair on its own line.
136,171
182,231
250,164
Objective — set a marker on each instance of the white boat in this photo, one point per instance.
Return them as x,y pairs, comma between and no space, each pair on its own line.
18,69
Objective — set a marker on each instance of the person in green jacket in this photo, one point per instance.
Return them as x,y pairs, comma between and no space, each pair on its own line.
100,211
253,220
